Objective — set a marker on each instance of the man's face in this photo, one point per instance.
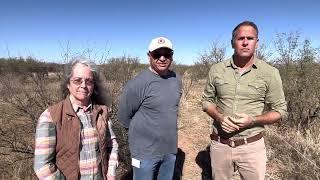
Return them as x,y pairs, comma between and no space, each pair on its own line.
160,60
245,42
81,84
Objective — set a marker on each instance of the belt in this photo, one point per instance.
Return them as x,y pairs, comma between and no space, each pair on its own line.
236,142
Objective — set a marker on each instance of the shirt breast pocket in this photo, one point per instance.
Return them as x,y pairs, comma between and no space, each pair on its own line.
257,88
222,87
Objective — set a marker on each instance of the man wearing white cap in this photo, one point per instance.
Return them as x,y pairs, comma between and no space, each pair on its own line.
149,108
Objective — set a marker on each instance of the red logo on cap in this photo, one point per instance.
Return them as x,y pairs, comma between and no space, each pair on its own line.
161,41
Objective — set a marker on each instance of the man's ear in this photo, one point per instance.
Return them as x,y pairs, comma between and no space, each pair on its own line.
232,44
257,44
149,56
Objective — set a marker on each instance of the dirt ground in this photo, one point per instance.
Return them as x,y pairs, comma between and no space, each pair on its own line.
193,157
194,130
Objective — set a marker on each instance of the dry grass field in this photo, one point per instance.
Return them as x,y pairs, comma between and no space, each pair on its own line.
283,146
292,154
194,130
293,145
27,87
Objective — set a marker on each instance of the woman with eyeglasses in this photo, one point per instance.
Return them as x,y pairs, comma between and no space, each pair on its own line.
74,138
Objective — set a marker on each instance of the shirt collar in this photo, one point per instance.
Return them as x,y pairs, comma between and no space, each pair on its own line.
230,63
77,107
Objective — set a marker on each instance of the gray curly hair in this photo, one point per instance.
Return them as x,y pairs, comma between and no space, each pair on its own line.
99,95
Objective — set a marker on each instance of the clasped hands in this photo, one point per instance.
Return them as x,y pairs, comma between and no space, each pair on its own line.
230,124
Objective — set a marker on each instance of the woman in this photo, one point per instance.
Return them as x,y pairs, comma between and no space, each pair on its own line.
74,139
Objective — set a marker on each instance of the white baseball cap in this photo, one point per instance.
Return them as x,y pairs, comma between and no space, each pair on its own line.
160,42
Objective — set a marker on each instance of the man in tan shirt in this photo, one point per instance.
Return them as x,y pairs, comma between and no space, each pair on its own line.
235,95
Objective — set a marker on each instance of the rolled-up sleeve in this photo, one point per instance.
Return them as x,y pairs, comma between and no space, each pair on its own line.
209,93
275,96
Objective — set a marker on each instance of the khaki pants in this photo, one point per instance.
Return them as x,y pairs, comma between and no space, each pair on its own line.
250,160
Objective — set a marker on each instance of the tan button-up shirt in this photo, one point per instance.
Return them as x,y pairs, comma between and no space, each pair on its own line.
247,92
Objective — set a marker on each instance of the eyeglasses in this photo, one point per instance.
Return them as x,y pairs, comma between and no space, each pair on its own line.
79,81
157,55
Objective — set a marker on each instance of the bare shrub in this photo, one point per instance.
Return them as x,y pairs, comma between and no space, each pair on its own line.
117,71
187,79
181,69
24,95
286,45
295,143
200,69
263,52
294,155
300,78
215,54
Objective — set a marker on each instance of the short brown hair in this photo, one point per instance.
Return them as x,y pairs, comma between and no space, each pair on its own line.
244,23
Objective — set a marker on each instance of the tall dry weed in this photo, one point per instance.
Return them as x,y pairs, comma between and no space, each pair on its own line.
23,98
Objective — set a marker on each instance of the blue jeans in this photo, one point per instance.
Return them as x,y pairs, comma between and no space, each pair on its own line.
160,168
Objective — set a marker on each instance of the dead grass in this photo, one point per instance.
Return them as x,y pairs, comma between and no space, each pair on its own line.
283,161
194,129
